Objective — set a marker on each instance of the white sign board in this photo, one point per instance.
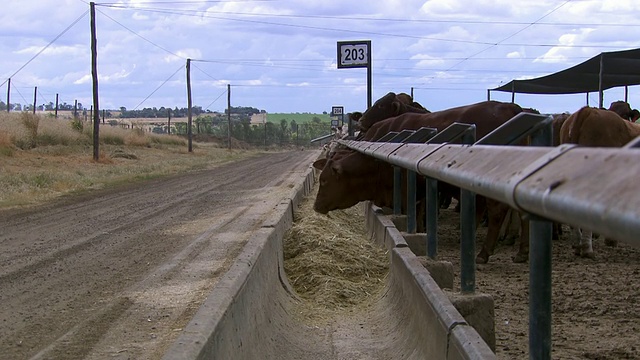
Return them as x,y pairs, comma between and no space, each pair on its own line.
354,54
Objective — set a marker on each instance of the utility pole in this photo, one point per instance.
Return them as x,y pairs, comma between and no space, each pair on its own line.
169,121
35,95
94,76
229,114
189,131
8,92
56,111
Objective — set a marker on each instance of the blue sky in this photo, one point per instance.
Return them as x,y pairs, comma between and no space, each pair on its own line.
280,55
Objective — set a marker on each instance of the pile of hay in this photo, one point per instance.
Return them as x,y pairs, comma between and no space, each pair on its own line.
328,259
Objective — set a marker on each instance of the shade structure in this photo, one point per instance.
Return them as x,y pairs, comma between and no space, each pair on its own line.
603,71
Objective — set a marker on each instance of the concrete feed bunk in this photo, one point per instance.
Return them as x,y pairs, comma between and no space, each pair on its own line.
252,313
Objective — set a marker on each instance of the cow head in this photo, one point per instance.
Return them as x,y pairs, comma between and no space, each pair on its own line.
346,180
621,108
384,108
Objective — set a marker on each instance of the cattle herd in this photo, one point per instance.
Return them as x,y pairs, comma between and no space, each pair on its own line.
348,177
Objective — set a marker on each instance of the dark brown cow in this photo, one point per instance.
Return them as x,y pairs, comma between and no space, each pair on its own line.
621,108
597,128
351,177
389,106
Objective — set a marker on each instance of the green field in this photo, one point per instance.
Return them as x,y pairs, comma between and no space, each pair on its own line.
300,118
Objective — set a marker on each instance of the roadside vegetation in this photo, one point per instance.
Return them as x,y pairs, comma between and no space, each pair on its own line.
43,158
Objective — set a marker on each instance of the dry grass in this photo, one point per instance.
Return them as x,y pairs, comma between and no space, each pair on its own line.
330,262
43,158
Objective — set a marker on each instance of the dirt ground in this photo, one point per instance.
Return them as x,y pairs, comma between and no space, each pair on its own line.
117,274
595,302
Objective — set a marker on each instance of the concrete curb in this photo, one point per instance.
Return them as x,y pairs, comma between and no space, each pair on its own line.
226,320
448,335
246,316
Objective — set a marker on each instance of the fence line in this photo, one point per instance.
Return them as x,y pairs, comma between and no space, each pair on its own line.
593,188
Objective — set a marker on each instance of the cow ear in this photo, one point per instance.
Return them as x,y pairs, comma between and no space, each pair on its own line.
396,107
337,168
319,164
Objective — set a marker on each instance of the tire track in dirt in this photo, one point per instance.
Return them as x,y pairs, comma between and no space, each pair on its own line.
116,273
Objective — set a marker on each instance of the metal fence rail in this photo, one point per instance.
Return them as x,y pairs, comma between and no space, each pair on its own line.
593,188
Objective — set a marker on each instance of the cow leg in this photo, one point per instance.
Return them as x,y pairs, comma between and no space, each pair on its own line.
421,216
497,212
557,231
586,247
575,235
523,250
510,229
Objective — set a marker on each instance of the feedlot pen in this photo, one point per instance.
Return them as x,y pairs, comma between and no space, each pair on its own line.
338,299
596,311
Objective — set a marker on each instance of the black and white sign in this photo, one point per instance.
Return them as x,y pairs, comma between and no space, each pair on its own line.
337,110
354,54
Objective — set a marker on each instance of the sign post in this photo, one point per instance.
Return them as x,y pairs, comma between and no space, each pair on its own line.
356,54
337,116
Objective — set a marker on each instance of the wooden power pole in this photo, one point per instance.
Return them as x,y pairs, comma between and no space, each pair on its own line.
94,76
189,132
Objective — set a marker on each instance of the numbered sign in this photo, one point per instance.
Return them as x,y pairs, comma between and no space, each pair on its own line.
354,54
337,110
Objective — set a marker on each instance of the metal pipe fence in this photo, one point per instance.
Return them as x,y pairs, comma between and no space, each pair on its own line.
593,188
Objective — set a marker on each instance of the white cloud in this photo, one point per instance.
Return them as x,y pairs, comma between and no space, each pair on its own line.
435,44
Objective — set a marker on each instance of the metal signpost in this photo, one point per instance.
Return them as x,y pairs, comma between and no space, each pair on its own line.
356,54
337,116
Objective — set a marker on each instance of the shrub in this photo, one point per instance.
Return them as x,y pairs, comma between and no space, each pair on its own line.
77,125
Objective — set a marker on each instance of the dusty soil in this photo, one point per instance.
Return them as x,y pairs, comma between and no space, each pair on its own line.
118,273
596,302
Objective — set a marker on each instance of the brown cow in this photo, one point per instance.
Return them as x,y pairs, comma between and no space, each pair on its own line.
621,108
597,128
389,106
351,177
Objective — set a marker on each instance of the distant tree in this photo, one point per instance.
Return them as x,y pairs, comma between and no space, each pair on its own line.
3,106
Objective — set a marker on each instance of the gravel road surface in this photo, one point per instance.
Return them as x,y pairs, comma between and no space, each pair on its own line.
118,273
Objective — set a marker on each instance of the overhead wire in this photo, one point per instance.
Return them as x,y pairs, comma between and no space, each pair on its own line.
216,99
142,37
156,89
47,46
510,36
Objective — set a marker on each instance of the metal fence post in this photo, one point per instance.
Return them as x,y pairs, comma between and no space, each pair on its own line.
468,231
411,202
432,217
397,190
540,289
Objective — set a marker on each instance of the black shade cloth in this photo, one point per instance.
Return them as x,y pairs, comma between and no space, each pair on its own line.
619,68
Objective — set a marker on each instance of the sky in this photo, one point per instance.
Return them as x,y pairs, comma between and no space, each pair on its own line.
281,55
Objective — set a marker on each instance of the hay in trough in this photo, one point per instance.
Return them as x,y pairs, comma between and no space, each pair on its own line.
329,261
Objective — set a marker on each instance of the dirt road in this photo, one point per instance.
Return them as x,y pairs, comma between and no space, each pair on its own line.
117,274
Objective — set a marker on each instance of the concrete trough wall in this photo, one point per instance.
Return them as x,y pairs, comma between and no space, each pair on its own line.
248,313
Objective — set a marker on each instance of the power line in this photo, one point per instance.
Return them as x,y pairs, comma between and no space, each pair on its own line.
342,30
142,37
216,99
204,72
359,18
510,36
44,48
154,91
183,2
